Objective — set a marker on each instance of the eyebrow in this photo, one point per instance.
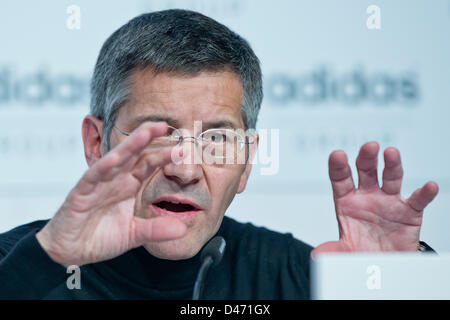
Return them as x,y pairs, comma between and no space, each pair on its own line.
175,123
141,119
219,124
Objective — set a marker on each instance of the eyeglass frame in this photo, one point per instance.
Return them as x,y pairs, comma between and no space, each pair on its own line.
182,138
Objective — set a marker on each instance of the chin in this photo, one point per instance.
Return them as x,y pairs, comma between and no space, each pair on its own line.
179,249
187,246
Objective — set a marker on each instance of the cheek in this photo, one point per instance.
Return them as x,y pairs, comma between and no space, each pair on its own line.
223,184
145,193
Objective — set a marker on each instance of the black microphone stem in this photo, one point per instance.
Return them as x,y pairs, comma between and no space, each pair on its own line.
199,283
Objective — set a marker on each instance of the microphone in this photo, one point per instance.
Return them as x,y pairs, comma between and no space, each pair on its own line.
211,255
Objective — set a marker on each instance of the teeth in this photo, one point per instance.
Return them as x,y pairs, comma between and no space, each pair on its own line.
175,202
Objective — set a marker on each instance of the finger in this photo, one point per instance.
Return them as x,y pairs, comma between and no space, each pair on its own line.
156,229
423,196
331,246
340,174
138,141
96,173
393,171
151,159
128,151
366,163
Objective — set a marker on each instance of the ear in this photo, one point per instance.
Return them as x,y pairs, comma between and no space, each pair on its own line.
248,167
92,132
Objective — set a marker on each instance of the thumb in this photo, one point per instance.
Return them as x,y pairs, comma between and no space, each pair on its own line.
331,246
156,229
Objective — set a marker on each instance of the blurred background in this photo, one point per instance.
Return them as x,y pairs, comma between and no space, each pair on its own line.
334,78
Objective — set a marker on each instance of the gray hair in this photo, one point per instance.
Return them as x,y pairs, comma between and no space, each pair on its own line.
171,41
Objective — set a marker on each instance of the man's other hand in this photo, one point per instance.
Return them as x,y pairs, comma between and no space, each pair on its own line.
371,218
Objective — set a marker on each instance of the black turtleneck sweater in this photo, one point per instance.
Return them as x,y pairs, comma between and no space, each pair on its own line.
257,264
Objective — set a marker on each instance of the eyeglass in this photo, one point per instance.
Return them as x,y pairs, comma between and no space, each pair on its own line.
218,143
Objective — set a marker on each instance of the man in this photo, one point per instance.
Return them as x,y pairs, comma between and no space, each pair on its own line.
138,218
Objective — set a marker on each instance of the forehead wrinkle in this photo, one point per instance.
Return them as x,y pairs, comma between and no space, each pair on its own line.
169,94
165,83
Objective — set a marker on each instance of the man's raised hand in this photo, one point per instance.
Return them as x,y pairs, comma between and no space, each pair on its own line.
96,221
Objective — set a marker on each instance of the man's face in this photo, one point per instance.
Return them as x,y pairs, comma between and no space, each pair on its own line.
203,191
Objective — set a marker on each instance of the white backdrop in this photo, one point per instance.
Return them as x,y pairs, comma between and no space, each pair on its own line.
330,83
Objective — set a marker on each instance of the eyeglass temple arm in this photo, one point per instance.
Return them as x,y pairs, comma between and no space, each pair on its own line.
122,132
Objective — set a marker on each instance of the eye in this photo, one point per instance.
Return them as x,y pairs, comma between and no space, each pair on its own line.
215,136
218,137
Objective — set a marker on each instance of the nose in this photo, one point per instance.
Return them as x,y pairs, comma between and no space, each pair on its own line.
189,170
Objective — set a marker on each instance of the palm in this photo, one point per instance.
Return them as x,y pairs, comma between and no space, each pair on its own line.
106,226
374,213
372,218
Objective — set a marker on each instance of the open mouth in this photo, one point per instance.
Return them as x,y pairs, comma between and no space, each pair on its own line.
174,207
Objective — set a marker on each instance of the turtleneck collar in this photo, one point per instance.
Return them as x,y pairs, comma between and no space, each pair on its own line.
142,269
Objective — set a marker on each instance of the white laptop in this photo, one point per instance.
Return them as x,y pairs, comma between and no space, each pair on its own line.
364,276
